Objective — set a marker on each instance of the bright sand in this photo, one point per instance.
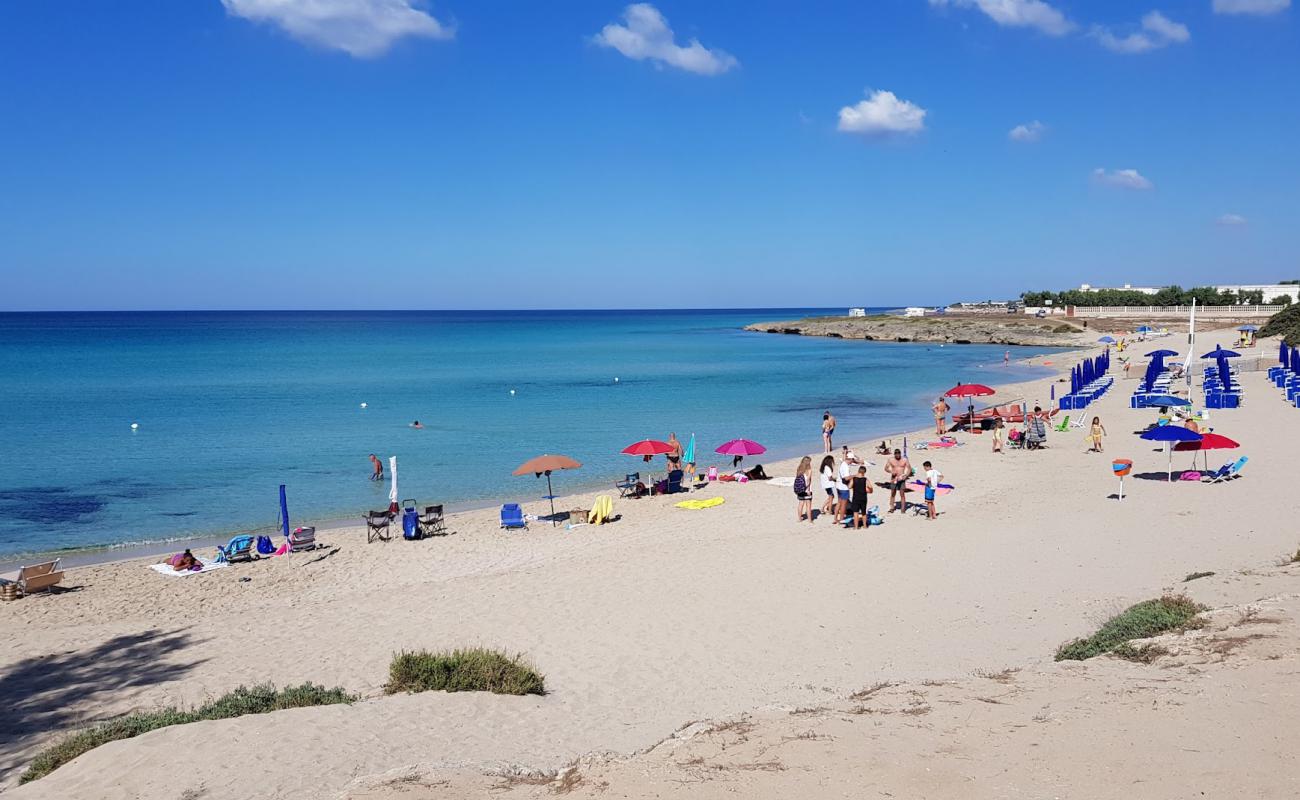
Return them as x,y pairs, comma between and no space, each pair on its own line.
669,617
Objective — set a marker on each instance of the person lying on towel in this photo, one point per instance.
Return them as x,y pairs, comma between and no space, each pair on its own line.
185,561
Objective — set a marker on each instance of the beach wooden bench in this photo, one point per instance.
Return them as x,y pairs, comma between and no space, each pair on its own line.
39,577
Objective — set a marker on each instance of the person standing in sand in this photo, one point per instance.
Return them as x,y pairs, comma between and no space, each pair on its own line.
932,479
847,461
378,473
803,489
860,491
997,432
940,409
828,483
899,469
1094,435
828,432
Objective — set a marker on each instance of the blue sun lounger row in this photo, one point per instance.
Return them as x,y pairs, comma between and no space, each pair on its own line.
1080,399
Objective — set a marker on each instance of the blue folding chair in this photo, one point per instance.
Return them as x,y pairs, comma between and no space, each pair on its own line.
512,517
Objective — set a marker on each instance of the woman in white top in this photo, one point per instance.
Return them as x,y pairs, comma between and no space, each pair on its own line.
828,483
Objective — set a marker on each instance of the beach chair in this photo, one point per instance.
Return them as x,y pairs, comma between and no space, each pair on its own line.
712,474
302,540
432,522
239,548
1064,425
1233,471
628,484
377,523
39,577
675,481
512,517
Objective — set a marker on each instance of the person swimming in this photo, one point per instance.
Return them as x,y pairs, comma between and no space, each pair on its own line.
416,424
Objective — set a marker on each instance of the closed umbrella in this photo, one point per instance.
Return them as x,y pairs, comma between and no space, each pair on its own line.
688,457
1170,434
392,492
1281,353
545,465
1225,374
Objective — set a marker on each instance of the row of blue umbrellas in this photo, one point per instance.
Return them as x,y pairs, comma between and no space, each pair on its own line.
1289,360
1089,370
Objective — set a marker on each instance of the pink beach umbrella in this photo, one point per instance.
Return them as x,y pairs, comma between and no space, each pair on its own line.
739,448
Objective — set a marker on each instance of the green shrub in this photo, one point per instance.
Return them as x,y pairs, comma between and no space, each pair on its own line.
1146,654
258,700
473,670
1285,323
1142,621
1192,576
1064,329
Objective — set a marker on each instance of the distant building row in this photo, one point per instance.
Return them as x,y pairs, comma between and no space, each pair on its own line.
1269,291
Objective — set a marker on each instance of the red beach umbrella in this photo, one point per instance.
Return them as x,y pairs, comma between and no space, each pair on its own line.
1208,441
648,447
969,390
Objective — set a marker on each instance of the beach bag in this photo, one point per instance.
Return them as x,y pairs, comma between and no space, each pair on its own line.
410,524
800,485
264,546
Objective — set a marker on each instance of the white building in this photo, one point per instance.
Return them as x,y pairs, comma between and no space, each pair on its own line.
857,312
1128,287
1269,291
914,311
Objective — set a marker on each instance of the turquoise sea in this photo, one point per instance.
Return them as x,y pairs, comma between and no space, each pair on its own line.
231,404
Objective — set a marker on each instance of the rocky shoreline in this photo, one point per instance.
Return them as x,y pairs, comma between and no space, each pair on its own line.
949,329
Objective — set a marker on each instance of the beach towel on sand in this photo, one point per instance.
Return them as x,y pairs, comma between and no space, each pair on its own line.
166,569
696,505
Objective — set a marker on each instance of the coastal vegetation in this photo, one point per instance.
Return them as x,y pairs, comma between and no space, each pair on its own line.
1168,296
1141,621
258,699
472,670
1005,329
1285,323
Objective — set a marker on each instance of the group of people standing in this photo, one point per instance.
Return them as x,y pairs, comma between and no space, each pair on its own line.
848,489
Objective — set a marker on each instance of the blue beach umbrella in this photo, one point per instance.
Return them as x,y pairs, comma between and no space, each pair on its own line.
1167,400
1168,434
1052,393
1295,359
1281,353
1219,352
688,457
1161,353
1225,374
1146,329
1249,328
1107,340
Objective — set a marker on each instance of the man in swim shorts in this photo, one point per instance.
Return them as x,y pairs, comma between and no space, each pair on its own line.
378,474
899,469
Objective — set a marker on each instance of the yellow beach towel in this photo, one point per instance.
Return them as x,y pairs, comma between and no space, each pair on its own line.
696,505
601,510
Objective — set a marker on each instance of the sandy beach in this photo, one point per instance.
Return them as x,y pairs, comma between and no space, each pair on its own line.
718,652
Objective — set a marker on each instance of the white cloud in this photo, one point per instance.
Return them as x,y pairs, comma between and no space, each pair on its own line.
1018,14
1027,133
362,28
1123,178
1231,220
882,114
1157,31
1257,7
645,35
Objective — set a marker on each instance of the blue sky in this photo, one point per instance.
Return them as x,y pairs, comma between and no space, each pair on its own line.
394,154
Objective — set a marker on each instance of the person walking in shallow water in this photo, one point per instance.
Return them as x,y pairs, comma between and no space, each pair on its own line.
828,432
378,473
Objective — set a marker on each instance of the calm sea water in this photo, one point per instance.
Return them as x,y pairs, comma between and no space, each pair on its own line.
232,404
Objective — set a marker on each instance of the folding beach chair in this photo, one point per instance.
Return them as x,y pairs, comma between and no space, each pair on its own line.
432,522
39,577
302,540
512,517
628,484
1064,425
675,482
1229,471
239,548
377,523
